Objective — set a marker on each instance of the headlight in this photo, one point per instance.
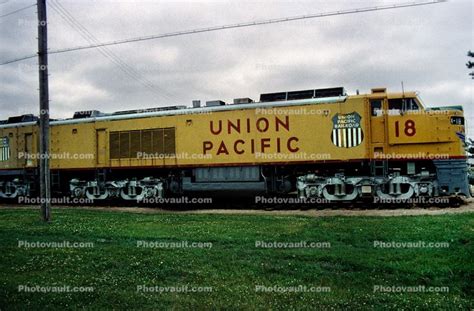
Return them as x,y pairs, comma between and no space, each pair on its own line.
457,120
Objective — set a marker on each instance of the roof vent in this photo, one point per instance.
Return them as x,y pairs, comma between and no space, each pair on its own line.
148,110
245,100
214,103
295,95
196,103
22,118
379,90
86,114
305,94
329,92
273,97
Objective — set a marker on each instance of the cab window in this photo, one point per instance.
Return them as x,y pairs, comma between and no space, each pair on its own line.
376,107
397,105
411,104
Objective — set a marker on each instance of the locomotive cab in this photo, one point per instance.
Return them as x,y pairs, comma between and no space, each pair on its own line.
410,140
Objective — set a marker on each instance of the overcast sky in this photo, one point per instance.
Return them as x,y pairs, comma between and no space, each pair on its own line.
423,46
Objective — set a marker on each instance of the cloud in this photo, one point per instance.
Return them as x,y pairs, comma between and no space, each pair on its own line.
425,47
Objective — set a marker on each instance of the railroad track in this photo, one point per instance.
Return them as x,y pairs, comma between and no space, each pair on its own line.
320,211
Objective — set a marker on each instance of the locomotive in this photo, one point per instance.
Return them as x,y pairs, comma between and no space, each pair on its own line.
318,143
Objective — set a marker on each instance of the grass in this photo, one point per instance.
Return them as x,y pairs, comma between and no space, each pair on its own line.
233,267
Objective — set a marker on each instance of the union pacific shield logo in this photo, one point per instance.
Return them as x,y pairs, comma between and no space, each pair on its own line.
347,132
4,149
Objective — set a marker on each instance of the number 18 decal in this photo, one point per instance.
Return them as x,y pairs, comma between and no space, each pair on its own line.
409,130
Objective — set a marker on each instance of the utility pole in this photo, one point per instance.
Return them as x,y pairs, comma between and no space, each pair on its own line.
45,183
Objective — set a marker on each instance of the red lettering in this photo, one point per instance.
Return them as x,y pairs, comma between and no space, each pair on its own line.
264,143
290,148
214,131
285,125
231,125
222,149
237,142
410,129
266,125
206,146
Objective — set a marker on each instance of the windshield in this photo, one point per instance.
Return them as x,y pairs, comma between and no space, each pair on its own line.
397,105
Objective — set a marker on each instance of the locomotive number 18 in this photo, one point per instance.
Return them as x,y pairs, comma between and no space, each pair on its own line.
410,129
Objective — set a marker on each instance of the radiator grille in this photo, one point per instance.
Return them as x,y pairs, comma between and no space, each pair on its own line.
135,144
143,143
124,144
114,145
157,146
146,141
4,149
168,141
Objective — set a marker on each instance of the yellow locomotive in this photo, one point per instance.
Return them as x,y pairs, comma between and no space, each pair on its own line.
319,143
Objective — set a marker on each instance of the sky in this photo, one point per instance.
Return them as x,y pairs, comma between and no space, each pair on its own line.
425,47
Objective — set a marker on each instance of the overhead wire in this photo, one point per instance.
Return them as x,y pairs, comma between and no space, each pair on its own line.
16,11
247,24
121,65
233,26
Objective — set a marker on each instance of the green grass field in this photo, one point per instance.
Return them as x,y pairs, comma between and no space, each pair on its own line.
233,267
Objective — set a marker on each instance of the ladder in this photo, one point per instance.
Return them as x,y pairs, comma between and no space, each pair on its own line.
101,176
30,177
55,182
379,168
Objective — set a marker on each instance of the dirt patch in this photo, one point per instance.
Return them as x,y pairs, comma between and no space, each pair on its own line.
468,207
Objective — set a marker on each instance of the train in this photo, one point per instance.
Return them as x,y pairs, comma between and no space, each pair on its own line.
309,144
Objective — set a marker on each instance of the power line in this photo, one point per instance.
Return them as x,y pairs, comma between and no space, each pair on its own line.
121,65
233,26
106,52
247,24
19,59
16,11
11,13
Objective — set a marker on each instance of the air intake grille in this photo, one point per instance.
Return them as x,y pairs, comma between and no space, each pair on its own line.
142,144
305,94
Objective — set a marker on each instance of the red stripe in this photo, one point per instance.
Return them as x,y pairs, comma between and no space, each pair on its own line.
240,164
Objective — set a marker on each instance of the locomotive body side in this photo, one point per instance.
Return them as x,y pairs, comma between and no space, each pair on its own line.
339,148
243,136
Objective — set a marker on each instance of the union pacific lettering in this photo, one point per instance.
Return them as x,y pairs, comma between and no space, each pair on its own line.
244,145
